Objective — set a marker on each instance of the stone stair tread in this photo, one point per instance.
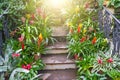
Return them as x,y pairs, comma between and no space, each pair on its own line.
60,66
57,60
58,45
69,74
59,31
55,51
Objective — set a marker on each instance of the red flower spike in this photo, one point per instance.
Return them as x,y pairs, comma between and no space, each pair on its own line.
94,40
21,38
24,66
28,66
110,60
22,45
99,61
78,29
15,55
76,56
83,39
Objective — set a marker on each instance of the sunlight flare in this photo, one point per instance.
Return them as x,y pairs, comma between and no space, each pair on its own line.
56,3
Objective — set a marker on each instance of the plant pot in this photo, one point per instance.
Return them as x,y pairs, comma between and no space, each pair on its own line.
37,56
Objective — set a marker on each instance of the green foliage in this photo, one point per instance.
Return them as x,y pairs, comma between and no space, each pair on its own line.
16,72
88,45
29,19
115,3
106,65
8,11
114,74
81,42
5,62
100,3
84,65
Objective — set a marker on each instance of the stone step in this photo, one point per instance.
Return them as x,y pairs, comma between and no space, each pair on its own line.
59,31
58,46
60,66
69,74
57,59
60,38
55,51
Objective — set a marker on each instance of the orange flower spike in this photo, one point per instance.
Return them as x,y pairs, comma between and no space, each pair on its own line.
79,28
40,38
83,39
94,40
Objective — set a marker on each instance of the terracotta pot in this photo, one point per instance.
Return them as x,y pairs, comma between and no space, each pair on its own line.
36,56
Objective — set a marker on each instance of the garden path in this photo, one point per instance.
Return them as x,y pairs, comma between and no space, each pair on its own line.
57,64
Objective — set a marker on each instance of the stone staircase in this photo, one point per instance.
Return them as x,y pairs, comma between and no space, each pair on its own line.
57,64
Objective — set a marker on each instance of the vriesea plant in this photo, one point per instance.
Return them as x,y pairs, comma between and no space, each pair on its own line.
105,61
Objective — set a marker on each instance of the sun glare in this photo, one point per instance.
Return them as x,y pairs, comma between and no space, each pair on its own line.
56,3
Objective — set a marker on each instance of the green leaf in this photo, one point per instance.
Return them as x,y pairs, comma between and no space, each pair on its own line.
17,70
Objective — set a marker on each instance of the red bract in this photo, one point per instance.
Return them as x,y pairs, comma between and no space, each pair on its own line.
23,19
99,61
15,55
31,22
24,66
28,66
110,60
76,56
22,45
83,39
94,40
21,38
78,29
